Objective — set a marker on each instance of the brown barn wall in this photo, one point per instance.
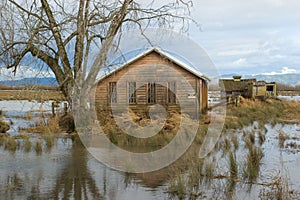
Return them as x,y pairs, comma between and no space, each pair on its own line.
152,59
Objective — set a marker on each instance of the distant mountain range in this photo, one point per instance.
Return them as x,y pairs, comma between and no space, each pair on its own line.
30,81
288,79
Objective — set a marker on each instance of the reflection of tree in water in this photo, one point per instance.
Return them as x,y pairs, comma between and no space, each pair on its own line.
12,183
76,181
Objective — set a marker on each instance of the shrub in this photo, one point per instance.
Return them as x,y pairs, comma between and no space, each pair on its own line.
4,127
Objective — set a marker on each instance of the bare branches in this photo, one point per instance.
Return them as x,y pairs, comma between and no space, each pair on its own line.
17,60
50,61
111,33
62,34
57,35
30,13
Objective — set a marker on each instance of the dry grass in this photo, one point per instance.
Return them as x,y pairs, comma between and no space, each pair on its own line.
49,139
38,147
237,117
252,164
282,137
261,137
44,126
27,116
233,166
249,111
2,139
133,144
11,144
235,142
291,112
252,137
177,187
39,95
280,189
27,145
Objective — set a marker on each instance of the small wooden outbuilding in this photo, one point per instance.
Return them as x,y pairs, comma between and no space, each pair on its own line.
153,76
248,88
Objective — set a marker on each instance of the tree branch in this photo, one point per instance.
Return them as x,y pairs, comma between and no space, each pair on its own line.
79,46
57,35
106,45
50,61
27,11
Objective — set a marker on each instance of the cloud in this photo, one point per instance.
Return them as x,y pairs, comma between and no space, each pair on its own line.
237,52
24,72
250,37
240,62
284,70
278,56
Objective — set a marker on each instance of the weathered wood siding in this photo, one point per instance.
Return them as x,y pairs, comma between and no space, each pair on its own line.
141,72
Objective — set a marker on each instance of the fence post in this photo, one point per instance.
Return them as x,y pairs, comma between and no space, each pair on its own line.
65,108
53,108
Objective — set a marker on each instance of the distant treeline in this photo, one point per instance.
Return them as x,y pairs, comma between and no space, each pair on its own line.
284,87
280,87
29,87
214,87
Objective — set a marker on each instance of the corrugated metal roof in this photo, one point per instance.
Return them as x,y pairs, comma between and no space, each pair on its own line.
133,56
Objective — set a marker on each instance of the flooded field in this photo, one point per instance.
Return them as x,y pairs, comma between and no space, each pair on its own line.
290,98
65,170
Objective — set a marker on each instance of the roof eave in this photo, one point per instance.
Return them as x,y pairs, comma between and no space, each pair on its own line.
170,57
162,53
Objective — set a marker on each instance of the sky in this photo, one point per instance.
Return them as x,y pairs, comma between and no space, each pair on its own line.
249,37
239,36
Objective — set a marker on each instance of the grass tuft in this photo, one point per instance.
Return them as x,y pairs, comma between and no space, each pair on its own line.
261,137
233,166
282,137
235,141
11,144
27,145
49,141
177,187
38,147
253,160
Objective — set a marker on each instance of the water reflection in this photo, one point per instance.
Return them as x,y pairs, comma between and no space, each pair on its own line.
75,180
65,172
69,172
61,169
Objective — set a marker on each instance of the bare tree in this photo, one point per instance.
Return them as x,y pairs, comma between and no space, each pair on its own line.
63,33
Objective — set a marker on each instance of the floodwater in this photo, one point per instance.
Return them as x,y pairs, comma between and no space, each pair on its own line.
68,171
289,98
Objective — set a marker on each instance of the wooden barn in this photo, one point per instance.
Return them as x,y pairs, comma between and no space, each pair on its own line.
151,77
248,88
262,90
